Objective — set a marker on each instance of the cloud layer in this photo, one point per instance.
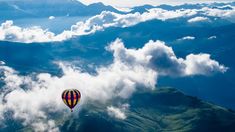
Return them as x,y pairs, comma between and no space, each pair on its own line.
10,32
31,98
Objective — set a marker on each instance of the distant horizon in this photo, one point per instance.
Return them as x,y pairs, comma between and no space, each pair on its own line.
130,3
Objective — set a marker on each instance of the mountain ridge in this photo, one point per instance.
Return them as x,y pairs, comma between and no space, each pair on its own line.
31,9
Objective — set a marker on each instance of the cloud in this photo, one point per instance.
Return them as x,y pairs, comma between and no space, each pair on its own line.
202,64
32,97
10,32
116,112
43,94
110,19
212,37
224,14
198,19
43,91
187,38
2,63
161,58
43,127
51,17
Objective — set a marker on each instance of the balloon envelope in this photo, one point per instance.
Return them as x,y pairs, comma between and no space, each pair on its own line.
71,97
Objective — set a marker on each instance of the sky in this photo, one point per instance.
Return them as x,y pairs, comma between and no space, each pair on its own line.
130,3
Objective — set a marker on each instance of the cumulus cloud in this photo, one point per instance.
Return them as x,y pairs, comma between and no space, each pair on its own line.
198,19
202,64
116,112
32,97
161,58
9,32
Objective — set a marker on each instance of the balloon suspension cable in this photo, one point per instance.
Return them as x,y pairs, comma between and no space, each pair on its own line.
71,110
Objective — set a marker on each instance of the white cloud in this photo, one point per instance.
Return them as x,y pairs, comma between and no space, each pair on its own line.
2,63
10,32
110,19
32,97
106,19
198,19
202,64
212,37
9,75
161,58
187,38
116,112
43,127
51,17
225,14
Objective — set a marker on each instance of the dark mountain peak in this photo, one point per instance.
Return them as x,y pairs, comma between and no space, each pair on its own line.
97,4
101,7
141,9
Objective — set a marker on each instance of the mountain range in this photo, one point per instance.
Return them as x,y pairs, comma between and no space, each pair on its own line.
36,9
167,110
15,9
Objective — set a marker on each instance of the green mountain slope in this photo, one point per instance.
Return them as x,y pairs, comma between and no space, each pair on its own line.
164,109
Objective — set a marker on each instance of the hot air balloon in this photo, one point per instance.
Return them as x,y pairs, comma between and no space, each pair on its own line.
71,97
